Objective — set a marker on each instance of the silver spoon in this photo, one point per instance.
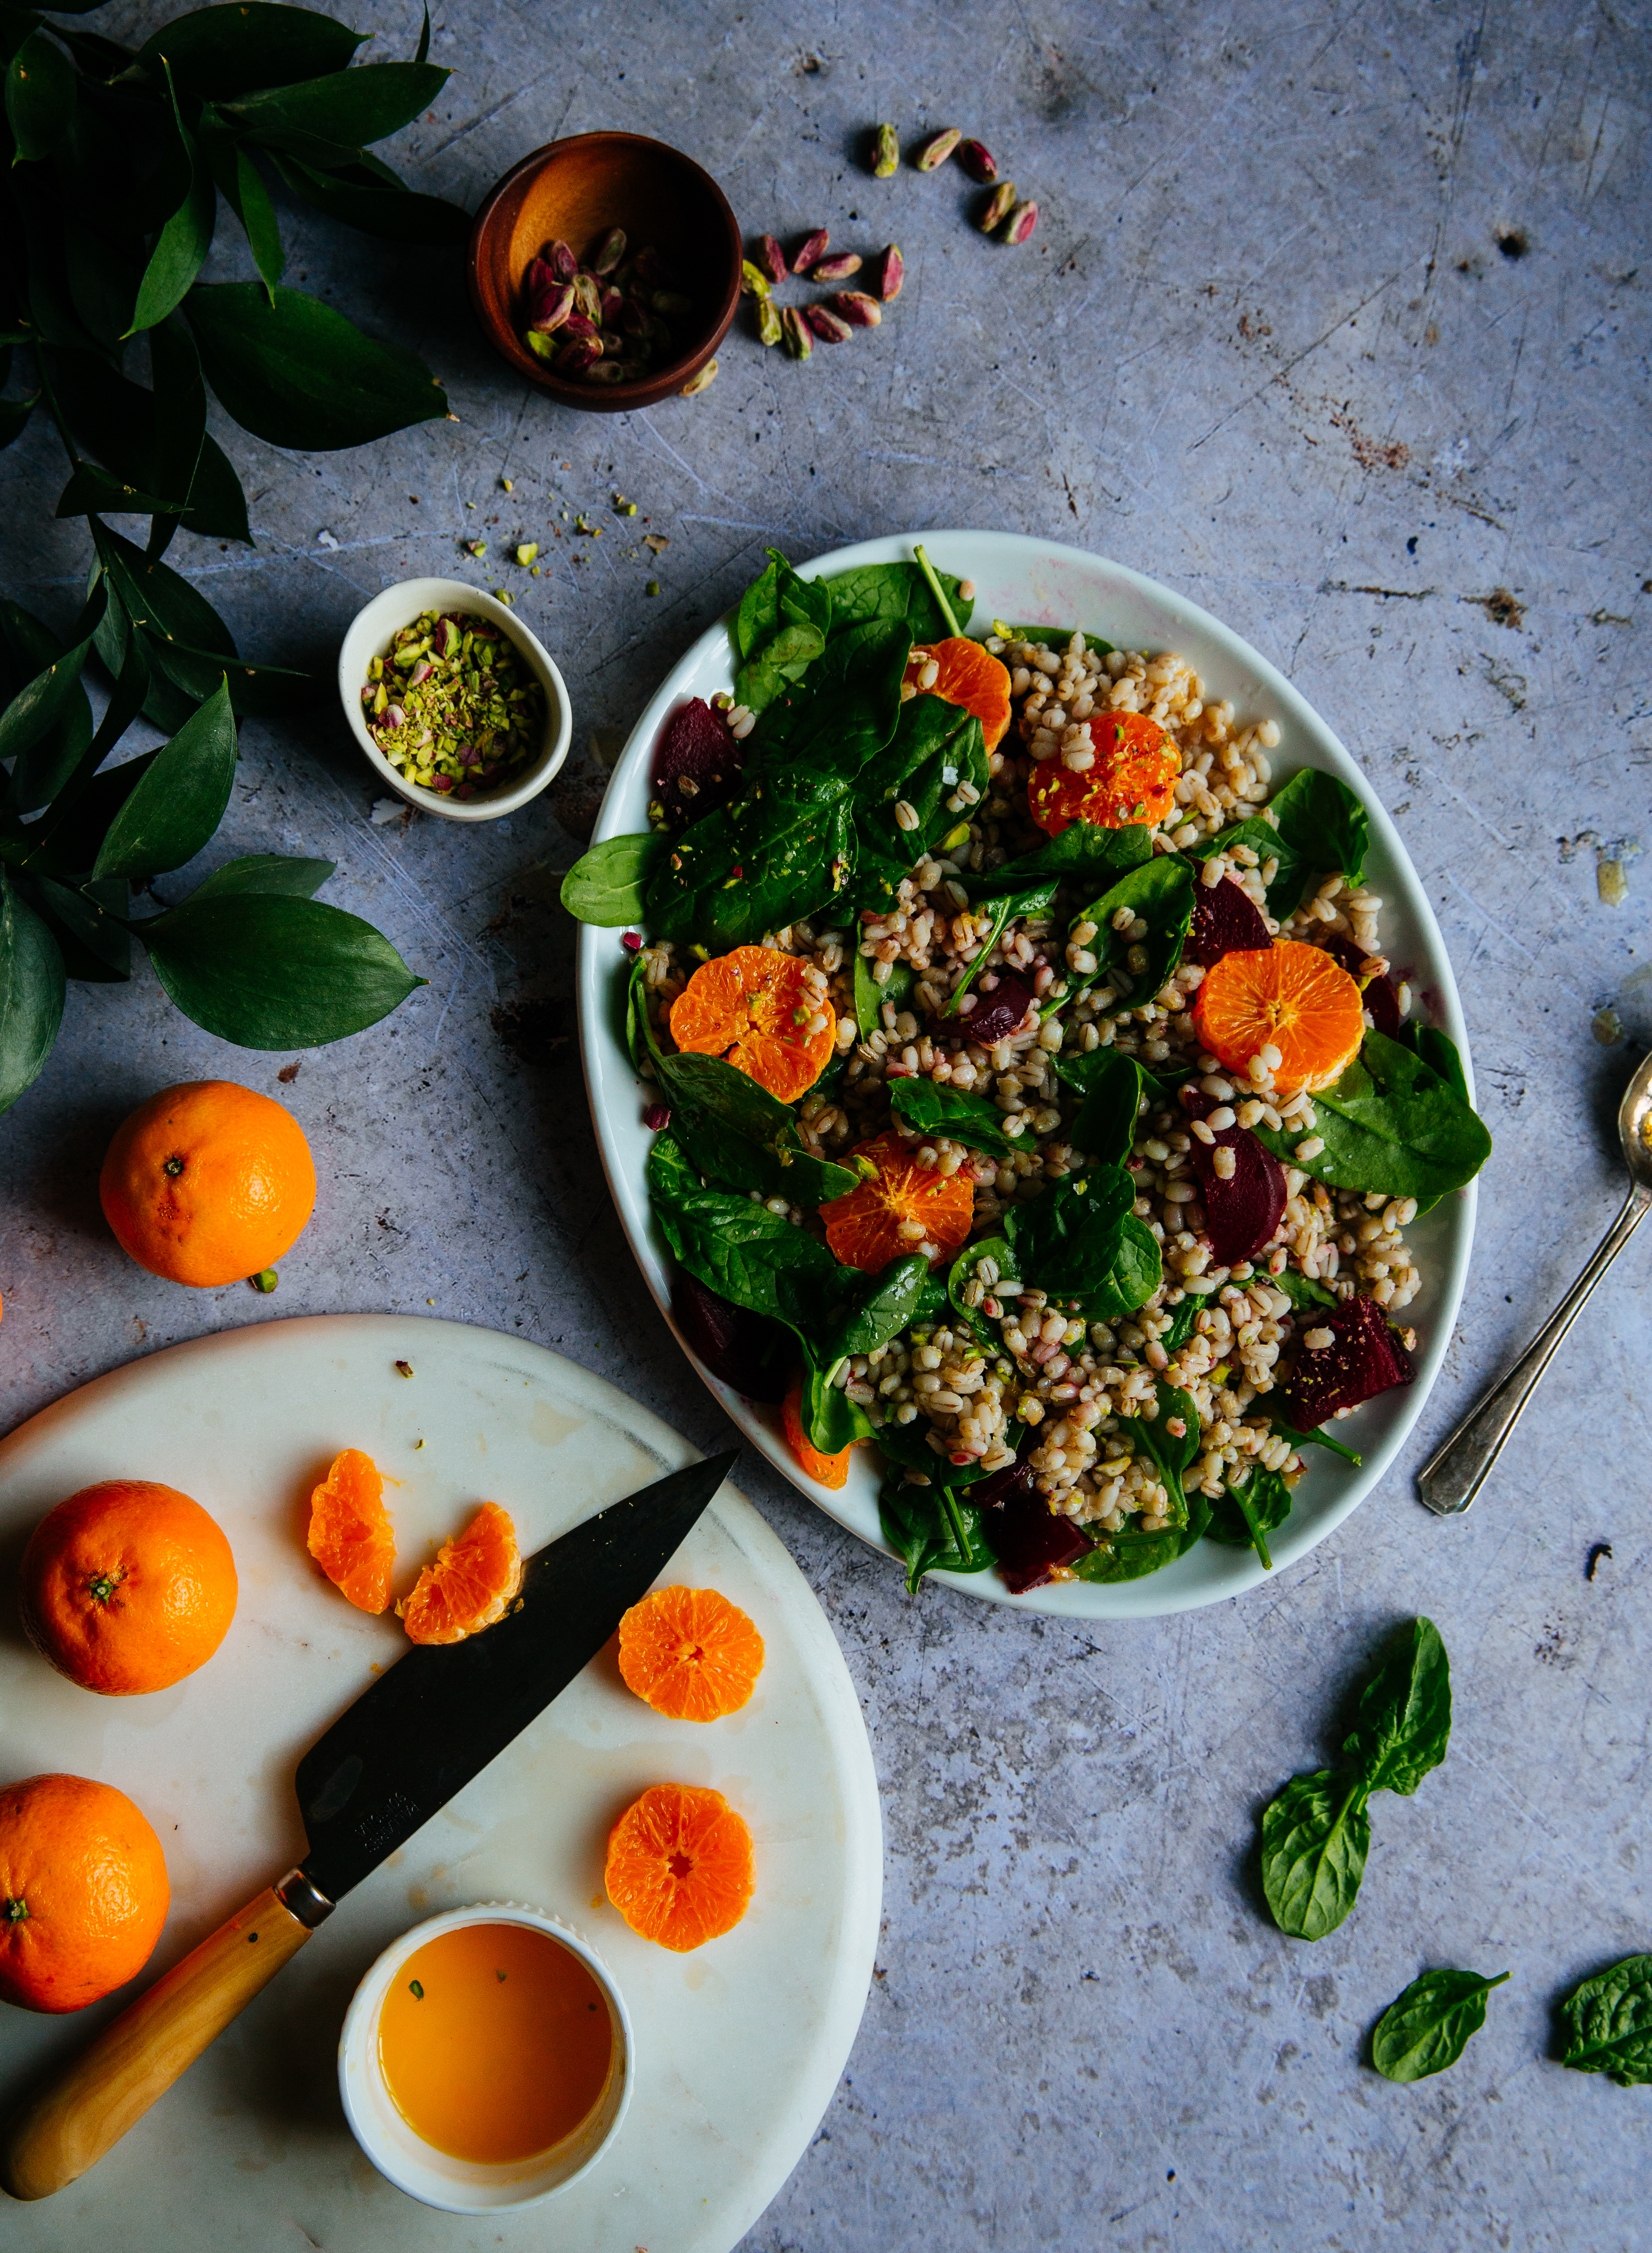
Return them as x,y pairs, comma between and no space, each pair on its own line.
1455,1472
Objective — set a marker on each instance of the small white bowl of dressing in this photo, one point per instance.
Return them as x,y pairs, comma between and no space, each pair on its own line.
370,636
486,2060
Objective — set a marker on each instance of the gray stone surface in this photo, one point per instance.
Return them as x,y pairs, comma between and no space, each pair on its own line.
1335,318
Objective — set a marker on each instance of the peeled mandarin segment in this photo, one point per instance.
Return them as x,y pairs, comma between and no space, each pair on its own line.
471,1584
831,1470
967,675
680,1866
755,1008
1132,779
350,1533
864,1227
690,1654
1290,996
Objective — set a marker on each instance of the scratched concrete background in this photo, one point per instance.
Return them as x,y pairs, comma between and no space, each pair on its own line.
1336,318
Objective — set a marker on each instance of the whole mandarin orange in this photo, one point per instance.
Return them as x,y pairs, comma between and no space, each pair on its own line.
83,1892
208,1182
127,1587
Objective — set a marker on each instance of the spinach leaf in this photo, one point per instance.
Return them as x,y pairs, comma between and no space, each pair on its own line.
1113,1087
1136,1273
735,1130
1182,1318
606,886
1129,1556
831,1420
1315,1439
962,1271
894,594
874,1310
1051,637
1428,2027
1161,891
1084,852
843,715
931,1531
1066,1239
1315,1837
780,629
1249,1511
1439,1051
906,1443
1175,1454
780,853
948,1111
1302,1290
935,746
741,1251
1388,1124
1609,2023
1403,1725
1035,901
1318,825
870,996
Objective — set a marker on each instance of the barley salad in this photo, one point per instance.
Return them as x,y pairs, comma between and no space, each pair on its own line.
1078,1287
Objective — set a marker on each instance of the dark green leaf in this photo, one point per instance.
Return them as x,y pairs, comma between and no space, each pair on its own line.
1302,1290
607,886
178,420
1114,1087
349,107
41,770
1250,1509
91,931
930,1530
180,800
228,51
1439,1051
1160,892
908,1445
30,994
83,804
1182,1318
1389,1124
780,853
735,1131
1315,1837
1132,1556
156,596
102,279
831,1420
241,185
423,50
114,419
265,872
262,691
935,746
894,594
1318,825
181,250
935,1110
841,715
1066,1239
1002,912
1429,2026
297,374
1405,1712
40,99
1083,853
268,971
963,1271
41,705
394,214
876,1309
1136,1271
1173,1453
92,492
744,1253
1609,2023
780,629
1319,1439
14,415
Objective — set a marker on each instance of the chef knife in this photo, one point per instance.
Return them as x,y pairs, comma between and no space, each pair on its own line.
428,1724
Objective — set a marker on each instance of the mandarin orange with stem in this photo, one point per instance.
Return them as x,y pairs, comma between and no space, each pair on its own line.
208,1182
690,1654
1289,997
897,1207
127,1587
350,1534
83,1892
680,1866
472,1584
967,675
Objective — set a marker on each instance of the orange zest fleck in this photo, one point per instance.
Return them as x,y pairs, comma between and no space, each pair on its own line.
755,1008
1292,997
831,1470
690,1654
1133,778
680,1866
864,1227
967,675
350,1534
472,1583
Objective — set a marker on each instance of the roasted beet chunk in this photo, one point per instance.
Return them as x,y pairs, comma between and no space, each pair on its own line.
696,763
1225,921
996,1016
744,1350
1364,1358
1382,995
1242,1211
1030,1545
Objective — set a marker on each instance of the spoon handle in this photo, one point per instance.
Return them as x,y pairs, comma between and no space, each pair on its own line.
1455,1472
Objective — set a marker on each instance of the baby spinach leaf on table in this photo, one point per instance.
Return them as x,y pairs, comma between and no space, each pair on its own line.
1250,1509
1136,1273
1315,1838
1160,892
609,885
1065,1239
1084,852
780,629
741,1251
1132,1556
1609,2023
1301,1290
735,1131
894,594
931,1529
1403,1725
780,853
842,714
947,1111
1113,1086
870,996
1318,824
1427,2028
1174,1453
1388,1124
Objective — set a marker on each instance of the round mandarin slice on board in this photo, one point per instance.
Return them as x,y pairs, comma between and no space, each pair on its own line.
690,1654
898,1206
756,1008
966,674
680,1866
472,1583
1132,777
1291,998
350,1533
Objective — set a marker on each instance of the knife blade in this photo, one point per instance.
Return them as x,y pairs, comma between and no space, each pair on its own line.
391,1761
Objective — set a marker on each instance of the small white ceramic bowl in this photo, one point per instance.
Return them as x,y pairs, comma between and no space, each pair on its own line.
371,634
433,2177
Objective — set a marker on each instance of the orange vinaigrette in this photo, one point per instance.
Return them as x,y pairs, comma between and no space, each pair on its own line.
495,2042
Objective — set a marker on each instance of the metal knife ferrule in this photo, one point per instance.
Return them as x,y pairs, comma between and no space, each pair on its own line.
302,1897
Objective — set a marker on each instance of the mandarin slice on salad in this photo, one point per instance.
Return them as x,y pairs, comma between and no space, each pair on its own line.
756,1008
1290,997
350,1536
680,1866
690,1654
471,1584
1132,777
897,1206
967,675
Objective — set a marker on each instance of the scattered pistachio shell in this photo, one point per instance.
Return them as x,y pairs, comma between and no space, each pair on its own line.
702,381
798,342
886,152
997,207
1021,222
837,268
936,150
978,161
754,283
768,328
811,246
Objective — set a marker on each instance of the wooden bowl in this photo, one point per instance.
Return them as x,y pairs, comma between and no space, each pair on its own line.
577,189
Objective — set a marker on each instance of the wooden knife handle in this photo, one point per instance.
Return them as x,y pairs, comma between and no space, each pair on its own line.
72,2122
